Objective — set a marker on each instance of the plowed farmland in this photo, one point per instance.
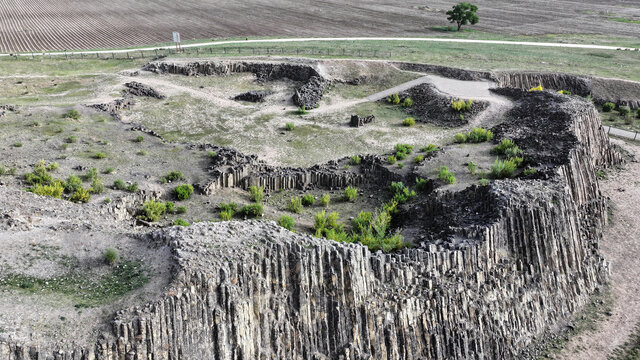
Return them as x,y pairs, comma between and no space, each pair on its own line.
38,25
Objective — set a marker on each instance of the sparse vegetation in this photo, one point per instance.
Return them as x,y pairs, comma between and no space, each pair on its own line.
183,192
289,126
407,103
350,194
503,169
72,114
429,149
608,107
252,211
302,110
537,88
483,182
256,193
180,222
472,167
418,159
308,200
391,159
529,171
476,135
461,106
393,99
422,185
139,139
325,199
287,222
295,205
401,193
445,175
408,122
172,176
355,160
99,155
110,256
181,210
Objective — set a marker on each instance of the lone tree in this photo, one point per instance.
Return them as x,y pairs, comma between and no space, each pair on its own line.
463,14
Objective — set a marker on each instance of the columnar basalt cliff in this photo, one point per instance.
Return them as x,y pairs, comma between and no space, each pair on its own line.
492,268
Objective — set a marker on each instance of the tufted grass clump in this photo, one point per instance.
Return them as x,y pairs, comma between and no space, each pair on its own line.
172,176
287,222
407,103
181,210
132,187
295,205
460,138
391,159
152,211
139,139
119,185
355,160
445,175
72,114
483,182
564,92
308,200
99,156
624,111
472,167
183,192
478,135
409,122
289,126
302,110
422,185
325,199
180,222
81,195
256,193
96,186
393,99
252,211
461,106
418,159
55,189
529,171
608,107
502,169
401,193
350,194
429,149
226,215
110,256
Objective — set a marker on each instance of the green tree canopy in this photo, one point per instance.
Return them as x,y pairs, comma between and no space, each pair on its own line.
463,14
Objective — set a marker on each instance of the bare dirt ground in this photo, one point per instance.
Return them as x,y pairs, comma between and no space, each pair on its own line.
621,247
38,25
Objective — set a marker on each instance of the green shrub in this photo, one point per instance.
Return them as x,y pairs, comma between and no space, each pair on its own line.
180,222
401,193
295,205
325,199
110,256
72,114
446,175
39,176
564,92
183,192
461,105
478,135
327,226
505,144
71,139
173,176
181,210
483,182
460,138
18,144
169,207
99,155
350,194
405,148
54,189
230,207
529,171
72,184
81,195
96,186
503,169
107,201
53,166
355,160
226,215
418,159
472,167
90,175
422,185
108,170
400,165
608,107
393,99
429,149
407,103
308,200
289,126
624,111
408,122
391,159
152,210
256,193
119,185
302,110
212,154
139,139
253,210
286,222
401,155
513,152
133,187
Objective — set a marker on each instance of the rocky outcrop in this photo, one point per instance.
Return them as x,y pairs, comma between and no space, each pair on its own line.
138,89
445,71
358,121
113,108
253,96
310,94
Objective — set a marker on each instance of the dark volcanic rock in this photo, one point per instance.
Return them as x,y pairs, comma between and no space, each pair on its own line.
253,96
310,94
357,120
137,89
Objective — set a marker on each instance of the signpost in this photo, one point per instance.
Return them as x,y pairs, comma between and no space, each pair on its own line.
177,40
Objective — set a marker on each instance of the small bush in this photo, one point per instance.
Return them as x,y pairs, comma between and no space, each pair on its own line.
180,222
139,139
212,154
133,187
119,185
142,153
429,149
108,170
169,207
18,144
302,110
72,184
624,111
478,135
55,189
230,207
181,210
327,226
400,165
422,185
289,126
405,148
408,122
407,103
503,169
72,114
418,159
99,155
226,215
256,193
483,182
39,176
391,159
173,176
461,105
472,167
110,256
564,92
325,199
537,88
608,107
152,211
71,139
81,195
355,160
460,138
286,222
96,186
504,145
253,210
350,194
393,99
295,205
53,166
107,201
308,200
401,155
446,175
401,193
90,175
183,192
529,171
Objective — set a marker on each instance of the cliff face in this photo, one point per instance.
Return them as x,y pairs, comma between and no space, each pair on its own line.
475,286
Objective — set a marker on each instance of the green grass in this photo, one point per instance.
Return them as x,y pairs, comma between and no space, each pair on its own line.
630,350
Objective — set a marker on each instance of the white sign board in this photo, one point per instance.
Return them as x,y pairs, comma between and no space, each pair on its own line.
176,37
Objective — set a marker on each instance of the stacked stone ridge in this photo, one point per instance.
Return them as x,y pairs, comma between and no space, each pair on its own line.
503,264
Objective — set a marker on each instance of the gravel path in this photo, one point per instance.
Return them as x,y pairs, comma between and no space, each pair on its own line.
620,246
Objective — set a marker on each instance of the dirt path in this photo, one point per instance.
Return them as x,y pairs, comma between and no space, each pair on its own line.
621,247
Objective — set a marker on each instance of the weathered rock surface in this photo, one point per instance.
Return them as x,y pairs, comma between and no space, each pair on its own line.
253,96
310,94
138,89
115,106
358,121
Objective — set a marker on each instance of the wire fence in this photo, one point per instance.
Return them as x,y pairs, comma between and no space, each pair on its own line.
631,135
